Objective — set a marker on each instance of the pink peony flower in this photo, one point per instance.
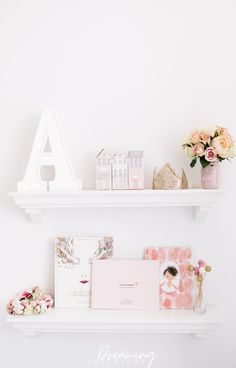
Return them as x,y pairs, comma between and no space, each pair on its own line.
198,149
26,294
210,154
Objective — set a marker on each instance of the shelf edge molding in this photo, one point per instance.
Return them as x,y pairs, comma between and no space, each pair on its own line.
181,322
35,203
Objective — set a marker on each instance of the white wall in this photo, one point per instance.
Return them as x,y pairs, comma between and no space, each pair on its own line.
121,74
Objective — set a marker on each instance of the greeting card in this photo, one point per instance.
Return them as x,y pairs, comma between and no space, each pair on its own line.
125,284
73,259
176,282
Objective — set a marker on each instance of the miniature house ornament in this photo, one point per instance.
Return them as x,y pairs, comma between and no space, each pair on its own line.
120,170
49,151
136,170
103,171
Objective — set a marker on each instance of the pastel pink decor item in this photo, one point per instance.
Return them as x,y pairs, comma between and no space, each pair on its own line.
136,170
103,171
125,284
210,147
30,302
176,287
120,171
210,176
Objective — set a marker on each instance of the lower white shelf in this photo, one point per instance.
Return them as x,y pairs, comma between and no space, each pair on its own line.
114,321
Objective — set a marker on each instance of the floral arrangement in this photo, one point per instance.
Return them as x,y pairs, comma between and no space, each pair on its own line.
199,271
212,145
30,302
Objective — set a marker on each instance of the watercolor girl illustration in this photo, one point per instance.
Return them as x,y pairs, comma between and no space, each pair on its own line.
169,284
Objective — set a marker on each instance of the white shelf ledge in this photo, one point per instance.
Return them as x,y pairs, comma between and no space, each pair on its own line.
114,321
34,203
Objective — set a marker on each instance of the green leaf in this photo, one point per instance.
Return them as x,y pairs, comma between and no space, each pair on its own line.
193,162
204,162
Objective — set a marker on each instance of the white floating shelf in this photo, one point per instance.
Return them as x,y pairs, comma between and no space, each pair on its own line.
114,321
34,203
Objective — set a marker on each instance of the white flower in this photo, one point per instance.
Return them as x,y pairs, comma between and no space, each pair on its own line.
18,308
28,310
43,306
189,152
222,146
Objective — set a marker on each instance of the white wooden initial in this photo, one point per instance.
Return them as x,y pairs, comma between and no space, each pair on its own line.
49,151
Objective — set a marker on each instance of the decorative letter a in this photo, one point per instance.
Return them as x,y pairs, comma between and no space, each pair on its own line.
48,133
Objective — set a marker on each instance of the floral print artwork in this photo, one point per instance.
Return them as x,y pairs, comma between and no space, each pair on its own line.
73,266
176,281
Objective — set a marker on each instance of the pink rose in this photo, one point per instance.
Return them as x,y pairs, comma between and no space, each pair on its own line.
26,294
210,154
198,149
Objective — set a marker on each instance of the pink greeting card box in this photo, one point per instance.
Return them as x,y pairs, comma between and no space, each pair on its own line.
125,284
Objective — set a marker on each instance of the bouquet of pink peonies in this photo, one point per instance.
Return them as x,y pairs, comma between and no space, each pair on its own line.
32,301
209,146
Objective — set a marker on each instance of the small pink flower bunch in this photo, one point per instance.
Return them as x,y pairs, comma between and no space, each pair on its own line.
209,146
200,270
30,302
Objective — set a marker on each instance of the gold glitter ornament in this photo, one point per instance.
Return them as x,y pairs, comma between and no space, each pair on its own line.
167,178
208,268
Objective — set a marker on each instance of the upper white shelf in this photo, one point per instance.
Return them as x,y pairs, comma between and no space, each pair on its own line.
116,321
34,203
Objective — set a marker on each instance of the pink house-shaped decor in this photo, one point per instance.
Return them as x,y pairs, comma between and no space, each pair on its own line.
120,171
136,170
103,171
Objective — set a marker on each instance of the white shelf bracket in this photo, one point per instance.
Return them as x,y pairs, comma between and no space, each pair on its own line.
35,215
200,212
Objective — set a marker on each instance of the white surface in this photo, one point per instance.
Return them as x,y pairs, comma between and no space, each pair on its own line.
115,321
35,202
127,74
